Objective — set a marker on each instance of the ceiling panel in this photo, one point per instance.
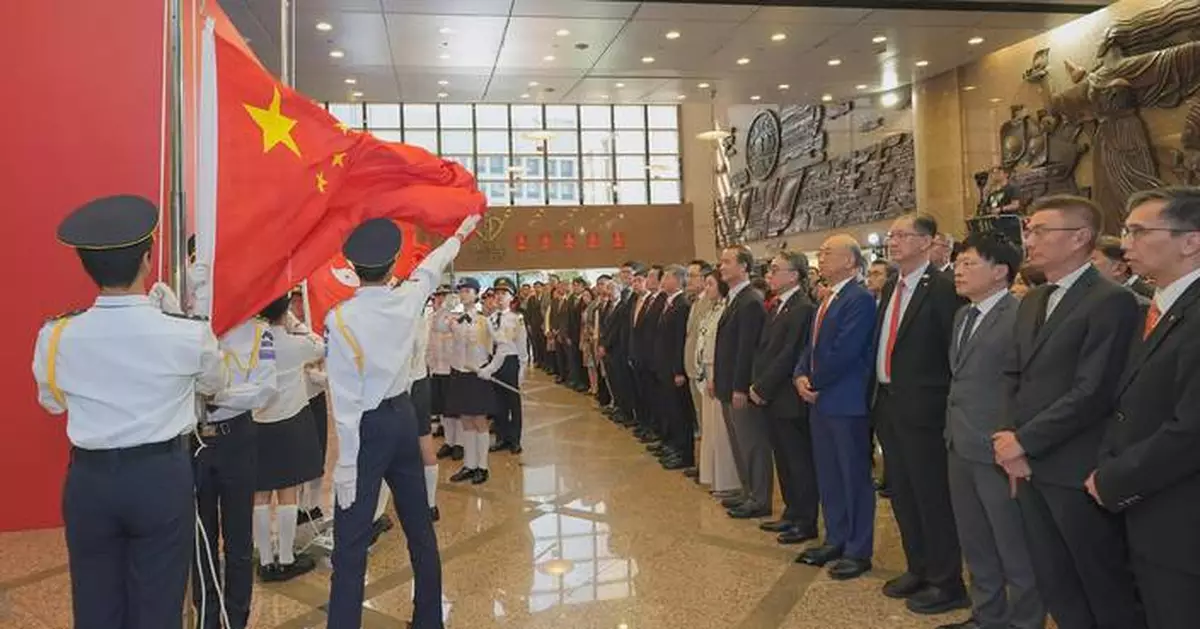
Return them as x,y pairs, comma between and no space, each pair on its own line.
363,37
436,7
683,12
698,42
808,15
473,42
531,39
559,8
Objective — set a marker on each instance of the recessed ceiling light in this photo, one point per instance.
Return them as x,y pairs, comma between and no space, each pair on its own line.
995,100
672,35
548,58
524,95
351,81
604,96
445,30
704,86
336,54
324,26
834,62
533,84
861,86
562,32
620,85
878,39
681,96
784,86
779,37
442,94
891,99
969,88
922,63
826,98
756,97
356,94
647,59
743,61
975,41
444,56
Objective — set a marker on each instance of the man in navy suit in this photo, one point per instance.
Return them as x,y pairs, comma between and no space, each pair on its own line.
832,376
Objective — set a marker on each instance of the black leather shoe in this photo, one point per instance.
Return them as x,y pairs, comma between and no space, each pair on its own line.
847,568
733,501
691,472
499,447
819,555
795,536
674,464
445,451
655,448
969,623
458,453
934,600
516,449
379,527
903,586
749,511
480,477
312,515
465,473
647,438
776,526
434,513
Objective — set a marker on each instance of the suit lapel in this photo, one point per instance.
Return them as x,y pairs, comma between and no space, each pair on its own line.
1068,302
1164,327
981,327
733,305
914,304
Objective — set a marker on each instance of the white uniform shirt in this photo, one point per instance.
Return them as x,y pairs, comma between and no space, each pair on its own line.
125,373
249,353
417,366
441,342
369,343
473,341
292,353
508,333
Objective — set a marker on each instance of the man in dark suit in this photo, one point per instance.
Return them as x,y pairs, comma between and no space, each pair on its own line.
1003,589
1109,259
641,354
578,379
558,328
531,309
1149,466
738,332
614,347
831,375
912,375
1071,343
678,414
784,336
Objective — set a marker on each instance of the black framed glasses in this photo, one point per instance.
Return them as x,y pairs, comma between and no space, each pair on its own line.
1134,232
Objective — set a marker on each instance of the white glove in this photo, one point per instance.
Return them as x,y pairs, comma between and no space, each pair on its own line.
294,325
521,375
485,373
468,225
345,482
164,298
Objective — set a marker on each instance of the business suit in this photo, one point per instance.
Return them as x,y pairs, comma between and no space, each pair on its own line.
574,328
614,338
1140,287
678,415
1149,469
641,356
1003,588
738,332
837,361
1063,372
910,415
784,336
558,328
532,310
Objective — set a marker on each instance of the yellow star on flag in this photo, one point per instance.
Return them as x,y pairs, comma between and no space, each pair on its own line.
276,127
321,183
339,159
345,128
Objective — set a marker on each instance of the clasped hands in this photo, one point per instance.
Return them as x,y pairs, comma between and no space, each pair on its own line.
1011,456
804,388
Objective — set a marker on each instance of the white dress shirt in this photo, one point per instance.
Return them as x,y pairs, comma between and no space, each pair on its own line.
734,290
1064,285
441,342
1166,297
984,307
369,344
292,353
249,353
125,373
910,287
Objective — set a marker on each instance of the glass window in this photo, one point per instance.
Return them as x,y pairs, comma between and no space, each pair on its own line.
388,135
496,192
631,142
664,191
564,142
420,116
456,116
664,142
530,193
595,117
664,167
629,117
348,113
631,192
522,143
631,167
562,117
564,192
531,166
493,167
663,116
491,116
457,142
562,167
467,161
527,116
600,167
598,193
492,141
597,142
424,139
383,116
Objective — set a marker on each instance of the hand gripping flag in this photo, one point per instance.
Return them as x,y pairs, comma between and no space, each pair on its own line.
281,184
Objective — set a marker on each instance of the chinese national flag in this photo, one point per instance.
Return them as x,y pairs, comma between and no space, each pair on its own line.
282,184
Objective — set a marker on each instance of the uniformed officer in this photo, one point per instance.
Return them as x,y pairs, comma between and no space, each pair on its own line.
369,345
226,461
421,396
471,397
126,373
511,354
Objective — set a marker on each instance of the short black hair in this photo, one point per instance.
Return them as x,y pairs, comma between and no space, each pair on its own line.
1080,207
925,224
758,282
580,282
114,268
275,310
539,283
722,285
996,248
373,273
658,271
1110,247
705,267
1182,208
604,277
745,257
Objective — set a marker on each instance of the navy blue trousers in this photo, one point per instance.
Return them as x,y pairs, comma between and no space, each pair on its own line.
389,452
844,482
130,532
509,419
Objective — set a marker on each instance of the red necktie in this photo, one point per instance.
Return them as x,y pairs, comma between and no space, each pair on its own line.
1152,317
893,327
821,318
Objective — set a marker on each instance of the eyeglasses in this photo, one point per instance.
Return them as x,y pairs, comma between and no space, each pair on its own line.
1041,230
901,235
1135,232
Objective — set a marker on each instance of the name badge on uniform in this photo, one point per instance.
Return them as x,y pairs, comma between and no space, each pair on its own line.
266,347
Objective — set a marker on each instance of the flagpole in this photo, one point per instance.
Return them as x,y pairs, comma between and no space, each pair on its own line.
178,210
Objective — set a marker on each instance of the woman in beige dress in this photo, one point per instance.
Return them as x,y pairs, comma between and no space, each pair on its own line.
716,453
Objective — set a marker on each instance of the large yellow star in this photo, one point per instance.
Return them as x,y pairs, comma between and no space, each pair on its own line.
339,159
321,183
276,127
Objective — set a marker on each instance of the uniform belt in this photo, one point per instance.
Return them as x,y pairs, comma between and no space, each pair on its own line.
208,430
130,453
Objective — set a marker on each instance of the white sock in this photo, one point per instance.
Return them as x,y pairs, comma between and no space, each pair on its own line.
431,478
482,439
262,534
452,430
312,493
468,443
285,518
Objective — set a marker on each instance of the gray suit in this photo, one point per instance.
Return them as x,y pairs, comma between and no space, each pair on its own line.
1003,589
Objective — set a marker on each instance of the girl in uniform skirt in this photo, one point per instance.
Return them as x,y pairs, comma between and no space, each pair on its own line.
471,398
312,493
289,453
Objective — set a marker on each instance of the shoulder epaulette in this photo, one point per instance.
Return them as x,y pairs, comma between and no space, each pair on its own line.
189,317
66,315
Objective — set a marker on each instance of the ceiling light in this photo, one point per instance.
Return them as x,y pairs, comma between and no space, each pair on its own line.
704,86
995,100
681,96
756,97
861,86
351,81
442,94
672,35
713,134
878,39
779,37
826,98
784,86
647,59
533,84
324,26
891,99
975,41
922,63
620,85
604,96
834,62
356,94
743,61
548,58
562,32
336,54
443,83
524,95
444,56
445,30
969,88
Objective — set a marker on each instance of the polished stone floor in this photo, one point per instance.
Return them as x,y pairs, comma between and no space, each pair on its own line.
583,530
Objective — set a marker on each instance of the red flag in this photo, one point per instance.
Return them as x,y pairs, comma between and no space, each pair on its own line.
286,183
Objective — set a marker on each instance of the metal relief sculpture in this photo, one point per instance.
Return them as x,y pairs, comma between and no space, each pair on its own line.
1187,160
763,142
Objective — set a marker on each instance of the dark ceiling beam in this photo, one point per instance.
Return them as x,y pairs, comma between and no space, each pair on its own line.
912,5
